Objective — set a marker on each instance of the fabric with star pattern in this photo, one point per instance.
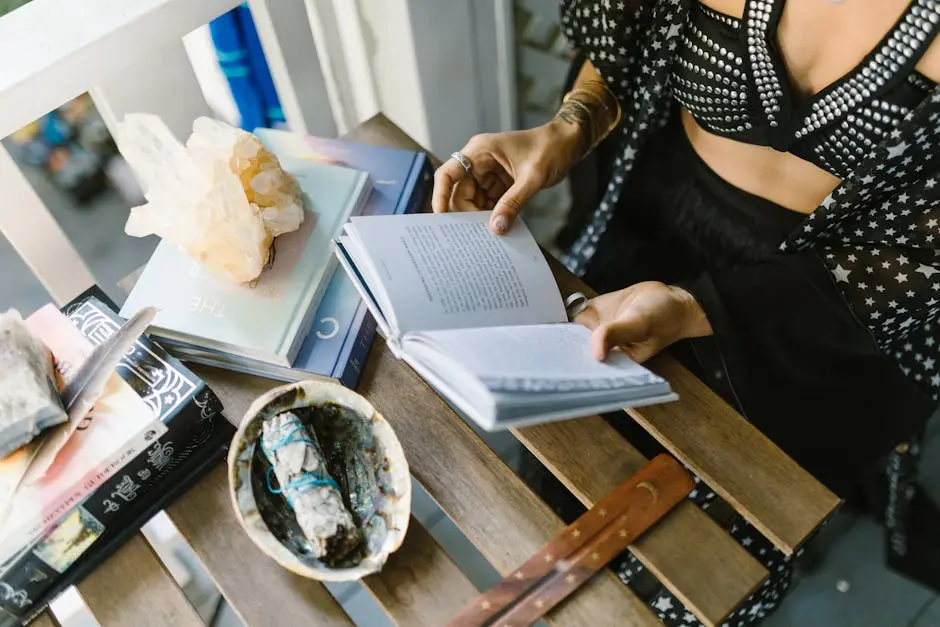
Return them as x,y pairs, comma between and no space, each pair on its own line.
876,232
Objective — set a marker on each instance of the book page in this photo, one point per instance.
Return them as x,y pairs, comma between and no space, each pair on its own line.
538,358
448,271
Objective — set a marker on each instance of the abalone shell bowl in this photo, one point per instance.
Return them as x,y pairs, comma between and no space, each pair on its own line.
266,516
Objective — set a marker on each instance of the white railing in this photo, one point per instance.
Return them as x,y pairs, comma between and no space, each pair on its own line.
442,70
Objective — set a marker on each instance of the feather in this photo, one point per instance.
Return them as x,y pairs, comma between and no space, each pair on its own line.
85,388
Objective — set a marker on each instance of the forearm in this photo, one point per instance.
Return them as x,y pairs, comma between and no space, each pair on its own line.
589,110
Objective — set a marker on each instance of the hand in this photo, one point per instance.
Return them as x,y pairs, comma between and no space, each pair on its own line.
507,170
642,320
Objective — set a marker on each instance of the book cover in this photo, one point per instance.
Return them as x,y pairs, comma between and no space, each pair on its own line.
343,329
402,184
191,422
175,484
267,321
119,426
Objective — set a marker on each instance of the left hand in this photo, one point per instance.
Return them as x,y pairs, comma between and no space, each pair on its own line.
643,319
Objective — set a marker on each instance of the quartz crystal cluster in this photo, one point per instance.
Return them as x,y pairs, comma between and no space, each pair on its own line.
222,198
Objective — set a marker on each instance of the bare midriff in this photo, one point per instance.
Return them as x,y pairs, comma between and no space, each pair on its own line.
819,43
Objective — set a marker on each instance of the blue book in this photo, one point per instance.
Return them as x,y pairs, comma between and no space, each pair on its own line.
269,321
343,329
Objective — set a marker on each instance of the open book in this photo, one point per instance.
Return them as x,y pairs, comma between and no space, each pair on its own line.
480,318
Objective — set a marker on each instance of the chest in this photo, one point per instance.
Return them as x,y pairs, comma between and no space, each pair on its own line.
821,41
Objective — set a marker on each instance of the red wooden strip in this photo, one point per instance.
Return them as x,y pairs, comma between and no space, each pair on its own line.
573,556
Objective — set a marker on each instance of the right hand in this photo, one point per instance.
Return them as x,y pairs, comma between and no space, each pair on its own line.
507,170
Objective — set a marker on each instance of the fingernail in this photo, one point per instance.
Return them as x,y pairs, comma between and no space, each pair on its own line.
500,224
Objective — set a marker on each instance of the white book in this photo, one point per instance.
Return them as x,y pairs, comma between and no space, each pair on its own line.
269,321
481,319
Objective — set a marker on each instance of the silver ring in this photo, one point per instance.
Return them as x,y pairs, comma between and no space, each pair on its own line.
463,161
575,304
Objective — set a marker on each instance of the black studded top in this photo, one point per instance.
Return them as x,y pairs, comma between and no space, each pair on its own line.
729,74
877,233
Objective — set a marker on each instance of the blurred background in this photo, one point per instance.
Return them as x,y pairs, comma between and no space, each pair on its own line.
443,71
70,159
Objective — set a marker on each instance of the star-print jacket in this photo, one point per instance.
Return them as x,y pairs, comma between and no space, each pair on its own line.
876,233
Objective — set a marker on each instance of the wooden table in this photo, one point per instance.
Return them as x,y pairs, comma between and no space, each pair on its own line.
507,522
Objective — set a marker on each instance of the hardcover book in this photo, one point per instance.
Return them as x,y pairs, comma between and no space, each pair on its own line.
480,318
267,321
190,435
343,329
120,426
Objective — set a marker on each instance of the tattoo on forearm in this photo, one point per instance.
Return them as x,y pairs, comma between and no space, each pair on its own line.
575,112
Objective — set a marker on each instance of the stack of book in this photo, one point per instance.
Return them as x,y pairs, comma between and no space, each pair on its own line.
156,429
303,319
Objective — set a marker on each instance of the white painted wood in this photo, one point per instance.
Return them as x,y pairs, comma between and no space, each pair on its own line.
392,49
358,67
53,50
443,71
324,26
289,48
70,610
215,89
493,48
505,36
36,236
163,83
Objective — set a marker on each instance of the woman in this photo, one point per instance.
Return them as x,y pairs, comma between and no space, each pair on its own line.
771,215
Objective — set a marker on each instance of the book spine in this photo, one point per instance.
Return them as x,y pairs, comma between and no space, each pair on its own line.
353,357
355,361
419,184
28,576
178,483
50,556
52,583
81,489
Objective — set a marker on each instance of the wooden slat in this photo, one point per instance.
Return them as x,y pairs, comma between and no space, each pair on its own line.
761,482
438,596
505,520
132,587
489,503
260,591
591,459
45,619
420,585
